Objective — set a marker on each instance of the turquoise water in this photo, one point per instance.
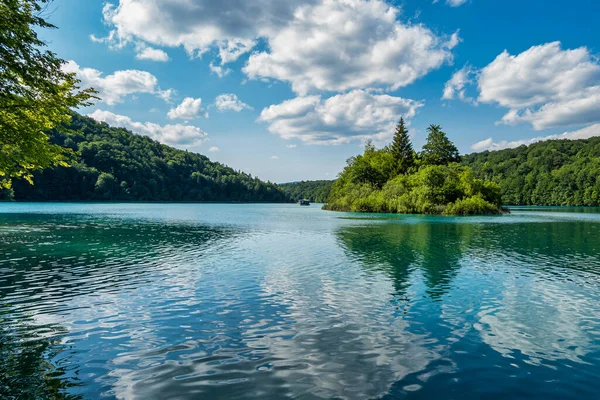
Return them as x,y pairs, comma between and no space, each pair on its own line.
181,301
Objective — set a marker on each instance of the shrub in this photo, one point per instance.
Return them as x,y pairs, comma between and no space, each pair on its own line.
475,205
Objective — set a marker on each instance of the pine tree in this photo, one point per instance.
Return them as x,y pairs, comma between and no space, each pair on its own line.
439,150
402,149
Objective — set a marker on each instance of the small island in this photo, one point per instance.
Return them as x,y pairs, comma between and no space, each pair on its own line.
396,179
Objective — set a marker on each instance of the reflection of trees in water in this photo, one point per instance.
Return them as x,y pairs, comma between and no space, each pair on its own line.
26,369
436,249
398,249
86,256
538,298
49,262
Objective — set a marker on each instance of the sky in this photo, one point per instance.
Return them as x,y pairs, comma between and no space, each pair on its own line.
288,90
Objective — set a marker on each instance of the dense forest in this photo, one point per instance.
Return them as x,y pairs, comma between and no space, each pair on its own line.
395,179
315,191
554,172
115,164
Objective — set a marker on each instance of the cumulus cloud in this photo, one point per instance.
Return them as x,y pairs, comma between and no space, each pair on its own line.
214,149
114,87
544,86
149,53
291,146
356,115
230,102
197,25
274,158
456,87
343,45
490,144
334,45
182,136
189,108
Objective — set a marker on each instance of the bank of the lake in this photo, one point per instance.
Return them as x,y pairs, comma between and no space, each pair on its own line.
272,301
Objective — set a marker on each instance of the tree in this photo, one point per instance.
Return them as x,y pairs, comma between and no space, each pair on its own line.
402,149
439,150
36,95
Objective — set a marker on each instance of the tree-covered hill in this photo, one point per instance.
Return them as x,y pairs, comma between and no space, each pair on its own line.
115,164
315,191
554,172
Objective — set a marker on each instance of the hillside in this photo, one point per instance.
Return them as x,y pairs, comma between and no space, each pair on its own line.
554,172
315,191
116,164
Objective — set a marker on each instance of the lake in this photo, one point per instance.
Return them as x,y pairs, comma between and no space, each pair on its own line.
224,301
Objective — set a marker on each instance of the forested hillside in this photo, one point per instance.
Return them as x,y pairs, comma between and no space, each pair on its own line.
315,191
115,164
554,172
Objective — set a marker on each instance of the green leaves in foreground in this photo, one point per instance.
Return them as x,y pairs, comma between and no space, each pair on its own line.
36,95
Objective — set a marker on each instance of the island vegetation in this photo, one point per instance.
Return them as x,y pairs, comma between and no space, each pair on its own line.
314,191
396,179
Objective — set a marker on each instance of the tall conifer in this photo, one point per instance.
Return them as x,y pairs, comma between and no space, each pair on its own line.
402,149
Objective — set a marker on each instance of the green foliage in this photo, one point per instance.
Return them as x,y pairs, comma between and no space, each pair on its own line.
402,150
36,95
7,194
115,164
371,183
471,206
315,191
438,150
554,172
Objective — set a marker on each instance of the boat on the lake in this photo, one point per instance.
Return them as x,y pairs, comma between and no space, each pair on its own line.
304,202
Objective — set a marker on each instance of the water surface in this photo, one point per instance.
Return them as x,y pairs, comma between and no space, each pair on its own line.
181,301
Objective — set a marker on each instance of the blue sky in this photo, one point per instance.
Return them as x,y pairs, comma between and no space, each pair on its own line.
289,90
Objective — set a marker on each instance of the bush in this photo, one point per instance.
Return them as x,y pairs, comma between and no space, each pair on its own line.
475,205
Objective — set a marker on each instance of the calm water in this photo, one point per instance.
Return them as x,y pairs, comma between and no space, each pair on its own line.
147,301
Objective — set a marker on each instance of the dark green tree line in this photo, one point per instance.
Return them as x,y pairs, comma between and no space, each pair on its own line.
116,165
315,191
550,173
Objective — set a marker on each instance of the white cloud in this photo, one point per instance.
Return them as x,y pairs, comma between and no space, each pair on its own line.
583,109
342,45
356,115
274,158
545,86
456,3
214,149
335,45
456,87
219,70
291,146
166,95
232,26
114,87
489,144
182,136
149,53
189,108
230,102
